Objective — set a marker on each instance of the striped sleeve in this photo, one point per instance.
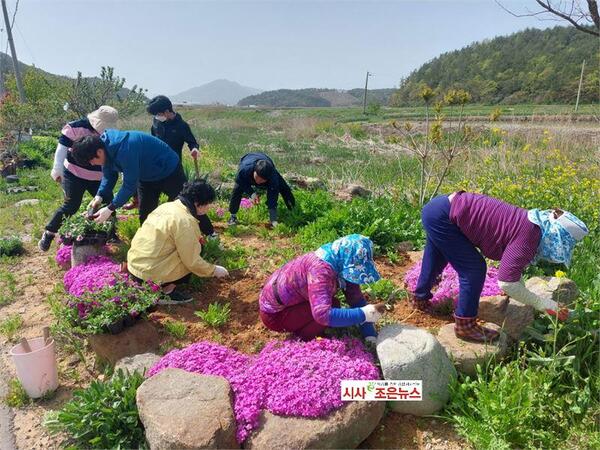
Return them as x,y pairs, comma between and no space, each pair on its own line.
518,254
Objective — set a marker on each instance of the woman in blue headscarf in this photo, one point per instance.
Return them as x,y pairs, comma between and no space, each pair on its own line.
300,296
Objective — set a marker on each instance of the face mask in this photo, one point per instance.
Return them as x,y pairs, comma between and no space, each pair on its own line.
160,118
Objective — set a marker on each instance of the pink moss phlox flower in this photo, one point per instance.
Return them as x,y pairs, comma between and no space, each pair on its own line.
289,378
447,288
246,203
63,256
220,212
96,273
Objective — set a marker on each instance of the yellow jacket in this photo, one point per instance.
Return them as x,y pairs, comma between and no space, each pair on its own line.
166,247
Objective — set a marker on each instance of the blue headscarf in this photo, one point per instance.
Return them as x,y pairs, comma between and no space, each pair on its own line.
352,258
559,235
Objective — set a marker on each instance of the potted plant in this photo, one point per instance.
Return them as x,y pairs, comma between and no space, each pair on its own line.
115,307
78,229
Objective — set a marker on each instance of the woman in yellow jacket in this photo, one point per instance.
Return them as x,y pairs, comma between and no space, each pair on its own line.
166,248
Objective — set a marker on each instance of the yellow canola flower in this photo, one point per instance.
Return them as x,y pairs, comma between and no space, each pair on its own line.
560,274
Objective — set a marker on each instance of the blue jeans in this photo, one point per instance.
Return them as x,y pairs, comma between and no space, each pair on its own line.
447,244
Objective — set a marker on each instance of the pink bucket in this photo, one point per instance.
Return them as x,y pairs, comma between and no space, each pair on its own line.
36,370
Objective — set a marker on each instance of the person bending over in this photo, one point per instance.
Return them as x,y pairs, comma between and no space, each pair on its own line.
300,296
258,170
463,228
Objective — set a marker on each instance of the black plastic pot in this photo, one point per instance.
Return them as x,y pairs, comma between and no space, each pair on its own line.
116,327
128,321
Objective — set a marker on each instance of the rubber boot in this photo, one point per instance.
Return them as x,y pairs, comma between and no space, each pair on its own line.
467,328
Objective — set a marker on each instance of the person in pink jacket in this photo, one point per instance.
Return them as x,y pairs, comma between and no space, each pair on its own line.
300,296
75,178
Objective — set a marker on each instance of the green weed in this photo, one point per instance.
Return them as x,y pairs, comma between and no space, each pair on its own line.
16,396
11,246
8,287
10,326
216,314
175,328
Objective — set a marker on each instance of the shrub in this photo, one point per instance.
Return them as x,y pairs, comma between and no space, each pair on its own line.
102,416
40,150
11,325
357,131
11,246
216,315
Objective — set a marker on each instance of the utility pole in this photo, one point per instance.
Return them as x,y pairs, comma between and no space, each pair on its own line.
365,96
14,53
580,83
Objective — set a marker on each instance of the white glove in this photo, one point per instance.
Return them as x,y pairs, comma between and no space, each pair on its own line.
58,167
57,174
220,272
371,340
96,202
194,152
518,291
274,224
371,313
254,197
103,215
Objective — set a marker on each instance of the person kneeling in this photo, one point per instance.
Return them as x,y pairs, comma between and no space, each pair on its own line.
300,296
166,249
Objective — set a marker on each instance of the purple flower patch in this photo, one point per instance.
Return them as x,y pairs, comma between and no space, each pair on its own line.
289,378
97,273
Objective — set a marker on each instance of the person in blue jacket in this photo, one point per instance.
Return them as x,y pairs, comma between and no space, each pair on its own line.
258,170
148,165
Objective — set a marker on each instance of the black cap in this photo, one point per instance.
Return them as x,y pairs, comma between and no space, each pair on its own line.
159,104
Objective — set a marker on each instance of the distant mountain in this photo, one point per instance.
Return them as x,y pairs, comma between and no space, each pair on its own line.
313,97
223,92
531,66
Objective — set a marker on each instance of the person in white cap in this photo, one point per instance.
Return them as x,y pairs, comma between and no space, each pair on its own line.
462,228
76,178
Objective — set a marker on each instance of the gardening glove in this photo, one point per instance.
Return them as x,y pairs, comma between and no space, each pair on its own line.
103,215
373,312
56,174
371,340
220,272
561,313
95,203
195,153
274,224
255,198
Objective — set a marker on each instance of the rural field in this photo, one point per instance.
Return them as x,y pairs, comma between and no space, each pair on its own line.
543,392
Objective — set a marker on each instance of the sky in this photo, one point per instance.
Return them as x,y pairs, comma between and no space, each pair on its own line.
169,46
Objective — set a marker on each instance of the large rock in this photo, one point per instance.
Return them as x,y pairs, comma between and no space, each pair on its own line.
137,363
513,316
81,253
561,290
351,191
467,354
346,427
27,202
139,338
303,182
410,353
185,410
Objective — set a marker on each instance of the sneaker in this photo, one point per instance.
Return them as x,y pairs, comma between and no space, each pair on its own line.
232,221
176,298
213,237
46,240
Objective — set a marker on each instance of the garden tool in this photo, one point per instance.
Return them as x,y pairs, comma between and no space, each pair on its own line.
196,169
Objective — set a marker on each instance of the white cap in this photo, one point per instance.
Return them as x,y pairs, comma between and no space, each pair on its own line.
103,118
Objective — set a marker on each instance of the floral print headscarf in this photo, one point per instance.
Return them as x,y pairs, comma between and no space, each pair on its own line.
352,258
559,235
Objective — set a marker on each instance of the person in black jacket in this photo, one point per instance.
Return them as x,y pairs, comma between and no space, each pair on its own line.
258,170
169,127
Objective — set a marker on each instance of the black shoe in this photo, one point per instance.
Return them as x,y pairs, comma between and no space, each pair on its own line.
176,298
46,240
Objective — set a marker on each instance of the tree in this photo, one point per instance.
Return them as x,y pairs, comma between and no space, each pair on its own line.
583,15
43,110
88,94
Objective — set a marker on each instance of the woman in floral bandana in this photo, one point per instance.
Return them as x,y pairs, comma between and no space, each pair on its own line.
300,296
463,228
